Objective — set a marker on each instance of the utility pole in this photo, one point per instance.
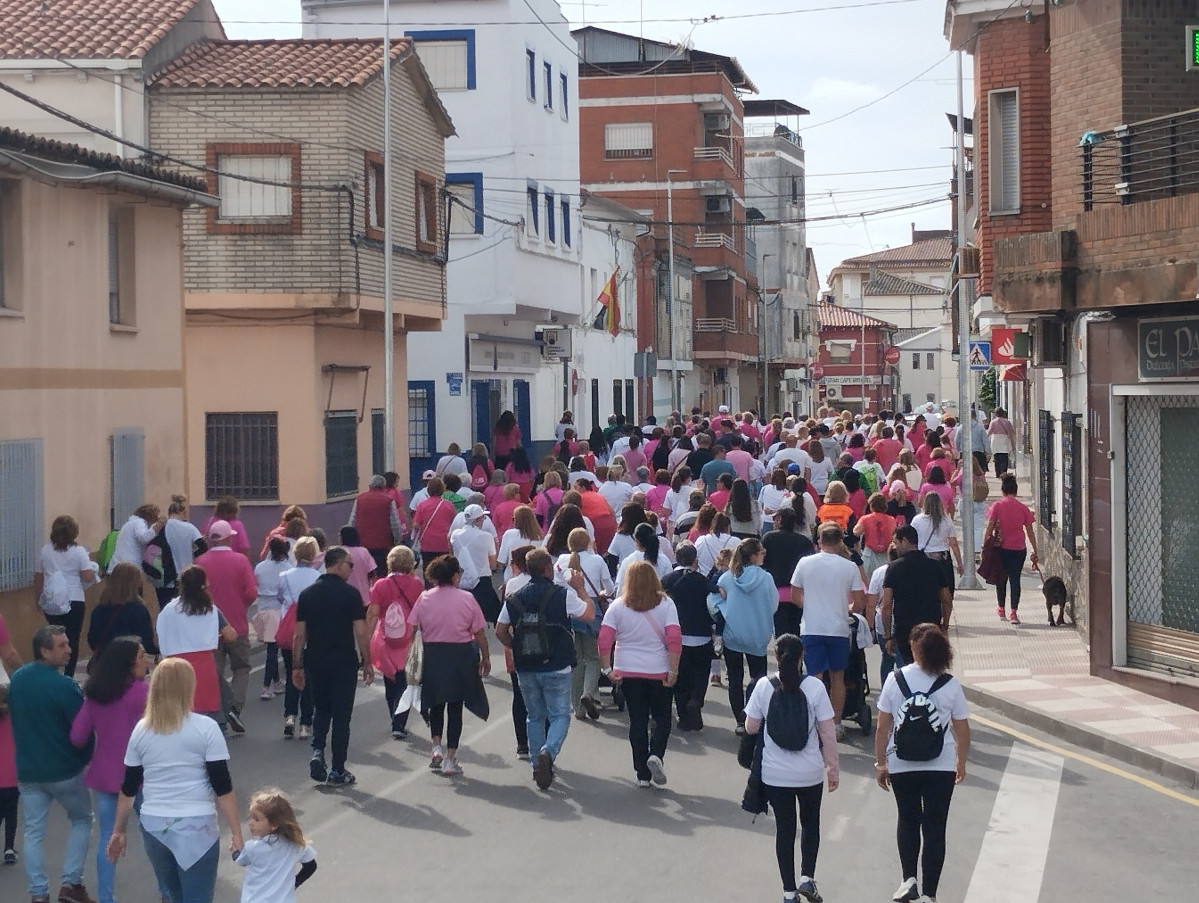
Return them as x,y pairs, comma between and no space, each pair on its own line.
389,421
963,297
675,403
765,341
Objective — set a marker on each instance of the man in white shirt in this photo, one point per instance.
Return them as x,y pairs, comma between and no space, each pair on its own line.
790,453
459,521
615,490
421,494
474,548
823,586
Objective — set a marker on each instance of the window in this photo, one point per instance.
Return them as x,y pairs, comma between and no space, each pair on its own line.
595,402
466,202
241,455
1004,151
20,511
618,396
376,186
796,330
341,452
628,139
128,473
839,352
448,57
426,213
534,205
549,86
550,232
10,245
630,398
930,361
122,275
531,63
261,201
566,236
562,90
916,360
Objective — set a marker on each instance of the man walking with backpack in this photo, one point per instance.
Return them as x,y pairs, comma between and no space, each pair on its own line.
535,624
793,717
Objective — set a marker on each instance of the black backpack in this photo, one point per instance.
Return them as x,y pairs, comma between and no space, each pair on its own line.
919,727
788,720
532,637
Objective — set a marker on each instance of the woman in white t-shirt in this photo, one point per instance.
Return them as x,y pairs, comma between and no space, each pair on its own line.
771,498
937,539
65,607
597,583
180,763
708,546
793,778
190,628
525,531
647,548
923,789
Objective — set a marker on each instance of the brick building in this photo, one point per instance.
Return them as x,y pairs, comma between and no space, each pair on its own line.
283,283
663,127
852,348
1087,119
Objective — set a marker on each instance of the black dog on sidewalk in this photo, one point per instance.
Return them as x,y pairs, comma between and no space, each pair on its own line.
1056,594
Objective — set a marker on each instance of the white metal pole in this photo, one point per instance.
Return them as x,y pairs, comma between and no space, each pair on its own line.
968,579
389,450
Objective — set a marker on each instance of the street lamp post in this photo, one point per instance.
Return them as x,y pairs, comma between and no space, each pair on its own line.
765,341
388,332
675,402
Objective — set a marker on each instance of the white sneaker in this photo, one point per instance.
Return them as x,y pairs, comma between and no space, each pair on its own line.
437,758
907,892
305,731
657,770
450,768
266,694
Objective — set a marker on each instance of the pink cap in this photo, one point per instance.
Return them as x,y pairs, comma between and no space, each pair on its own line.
220,529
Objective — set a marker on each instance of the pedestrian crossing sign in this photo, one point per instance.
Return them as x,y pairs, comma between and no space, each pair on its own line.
980,355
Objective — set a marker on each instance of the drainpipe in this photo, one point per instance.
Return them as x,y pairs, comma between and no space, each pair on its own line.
118,106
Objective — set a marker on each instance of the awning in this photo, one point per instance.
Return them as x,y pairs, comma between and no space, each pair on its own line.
1013,373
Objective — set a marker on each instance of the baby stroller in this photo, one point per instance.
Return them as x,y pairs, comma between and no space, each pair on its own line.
857,680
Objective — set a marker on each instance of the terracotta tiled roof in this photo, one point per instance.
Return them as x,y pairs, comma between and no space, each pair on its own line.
61,152
86,29
931,250
312,63
890,284
835,316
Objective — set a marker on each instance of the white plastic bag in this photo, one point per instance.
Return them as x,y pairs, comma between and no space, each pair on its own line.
56,596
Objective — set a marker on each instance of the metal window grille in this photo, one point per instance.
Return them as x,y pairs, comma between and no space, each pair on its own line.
20,511
1045,460
341,452
378,434
241,455
617,396
419,444
595,403
128,473
630,399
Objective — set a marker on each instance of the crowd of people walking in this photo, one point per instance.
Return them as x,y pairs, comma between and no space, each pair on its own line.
657,562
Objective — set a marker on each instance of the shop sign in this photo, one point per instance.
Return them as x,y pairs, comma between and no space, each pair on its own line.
1168,349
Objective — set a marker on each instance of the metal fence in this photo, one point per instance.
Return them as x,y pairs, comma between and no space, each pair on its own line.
1149,159
20,511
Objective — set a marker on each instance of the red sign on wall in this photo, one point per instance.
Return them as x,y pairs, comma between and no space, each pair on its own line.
1008,346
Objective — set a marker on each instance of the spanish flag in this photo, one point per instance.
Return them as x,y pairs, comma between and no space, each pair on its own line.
608,300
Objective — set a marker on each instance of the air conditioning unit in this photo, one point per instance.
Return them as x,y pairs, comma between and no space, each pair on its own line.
718,204
832,391
1048,342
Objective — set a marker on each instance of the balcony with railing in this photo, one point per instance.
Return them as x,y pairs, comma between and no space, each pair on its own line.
1151,159
723,158
714,250
725,339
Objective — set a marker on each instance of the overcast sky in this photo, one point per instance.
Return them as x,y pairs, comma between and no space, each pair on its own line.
895,151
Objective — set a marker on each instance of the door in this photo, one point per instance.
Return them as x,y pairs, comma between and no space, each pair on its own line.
520,407
485,408
422,430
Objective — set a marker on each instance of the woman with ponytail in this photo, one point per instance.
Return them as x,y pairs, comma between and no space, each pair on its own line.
584,677
648,548
793,778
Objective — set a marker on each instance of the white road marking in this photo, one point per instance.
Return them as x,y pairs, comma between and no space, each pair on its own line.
1020,829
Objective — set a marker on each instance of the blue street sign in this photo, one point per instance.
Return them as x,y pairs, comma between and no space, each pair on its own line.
980,355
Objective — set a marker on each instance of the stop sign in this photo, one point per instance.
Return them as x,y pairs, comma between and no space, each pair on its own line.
817,371
892,355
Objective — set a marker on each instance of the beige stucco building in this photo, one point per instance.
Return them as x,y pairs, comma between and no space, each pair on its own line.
91,323
284,280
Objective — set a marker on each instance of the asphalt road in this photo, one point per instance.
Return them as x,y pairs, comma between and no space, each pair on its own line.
1031,823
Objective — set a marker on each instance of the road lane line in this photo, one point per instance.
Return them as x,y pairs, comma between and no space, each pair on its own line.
1020,829
1085,759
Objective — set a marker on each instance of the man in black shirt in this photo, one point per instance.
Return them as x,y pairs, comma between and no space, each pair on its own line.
330,636
784,546
915,591
689,591
702,454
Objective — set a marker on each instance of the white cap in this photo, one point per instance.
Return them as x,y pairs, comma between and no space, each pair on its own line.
723,409
473,512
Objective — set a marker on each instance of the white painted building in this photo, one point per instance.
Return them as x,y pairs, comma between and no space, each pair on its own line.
520,259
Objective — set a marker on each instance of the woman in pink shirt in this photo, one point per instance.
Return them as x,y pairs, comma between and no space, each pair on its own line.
937,483
227,508
364,562
114,700
432,519
1011,520
389,653
504,438
520,471
456,658
643,626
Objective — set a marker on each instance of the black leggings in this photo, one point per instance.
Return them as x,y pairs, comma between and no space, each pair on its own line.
438,723
72,623
1013,564
393,689
270,670
736,663
520,715
922,798
8,815
783,801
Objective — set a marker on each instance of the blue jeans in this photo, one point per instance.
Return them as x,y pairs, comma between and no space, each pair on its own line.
547,697
73,797
194,885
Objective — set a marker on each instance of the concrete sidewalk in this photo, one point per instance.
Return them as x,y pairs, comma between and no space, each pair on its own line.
1040,676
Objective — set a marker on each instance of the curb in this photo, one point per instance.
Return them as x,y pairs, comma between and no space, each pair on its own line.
1079,735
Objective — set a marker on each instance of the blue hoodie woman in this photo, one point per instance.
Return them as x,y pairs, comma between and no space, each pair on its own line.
747,599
